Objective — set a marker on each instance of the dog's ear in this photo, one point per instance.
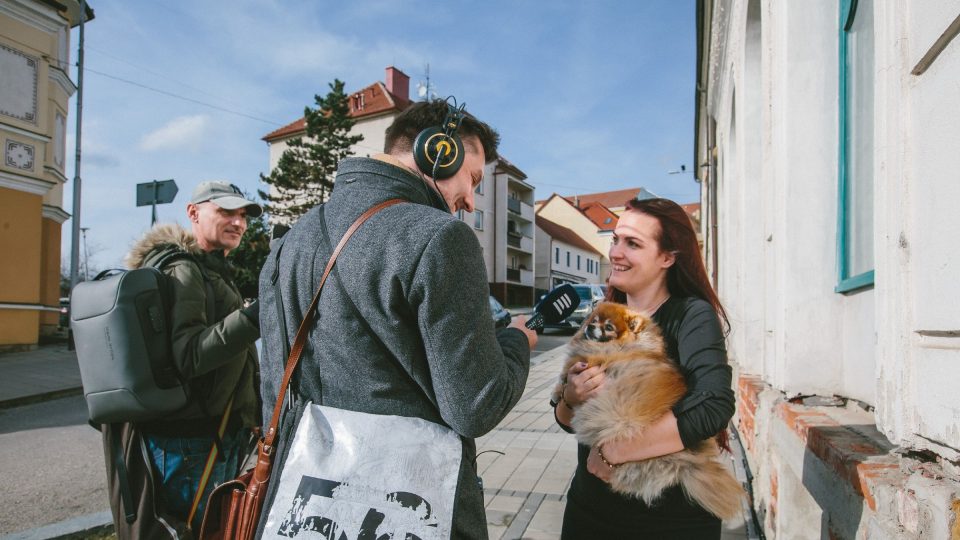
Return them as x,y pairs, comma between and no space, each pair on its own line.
636,322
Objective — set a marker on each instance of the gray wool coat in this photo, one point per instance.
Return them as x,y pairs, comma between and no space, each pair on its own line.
424,344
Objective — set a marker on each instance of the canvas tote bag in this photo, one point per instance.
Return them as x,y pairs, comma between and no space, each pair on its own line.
347,474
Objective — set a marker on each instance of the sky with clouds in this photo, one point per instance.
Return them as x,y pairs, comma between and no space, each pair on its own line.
588,96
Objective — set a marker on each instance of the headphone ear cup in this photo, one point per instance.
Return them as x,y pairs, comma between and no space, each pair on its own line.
431,145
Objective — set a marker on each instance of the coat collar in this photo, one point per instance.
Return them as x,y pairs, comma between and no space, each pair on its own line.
377,179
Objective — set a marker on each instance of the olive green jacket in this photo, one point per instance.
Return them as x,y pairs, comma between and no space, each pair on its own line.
217,356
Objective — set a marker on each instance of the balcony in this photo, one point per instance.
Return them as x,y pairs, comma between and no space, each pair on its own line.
520,241
520,208
521,276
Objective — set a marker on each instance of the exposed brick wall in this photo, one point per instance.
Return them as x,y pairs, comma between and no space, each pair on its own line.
955,530
862,462
748,398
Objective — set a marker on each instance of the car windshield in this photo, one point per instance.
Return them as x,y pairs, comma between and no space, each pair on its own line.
584,293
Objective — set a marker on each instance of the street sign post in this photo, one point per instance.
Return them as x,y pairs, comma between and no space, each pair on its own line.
154,193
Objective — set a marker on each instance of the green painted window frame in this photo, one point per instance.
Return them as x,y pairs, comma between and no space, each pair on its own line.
845,282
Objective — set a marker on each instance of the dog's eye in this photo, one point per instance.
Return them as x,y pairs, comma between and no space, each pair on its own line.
609,327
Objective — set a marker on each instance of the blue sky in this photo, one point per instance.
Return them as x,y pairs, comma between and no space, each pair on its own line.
587,96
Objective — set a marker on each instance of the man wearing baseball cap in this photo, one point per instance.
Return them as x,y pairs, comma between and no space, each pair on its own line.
212,344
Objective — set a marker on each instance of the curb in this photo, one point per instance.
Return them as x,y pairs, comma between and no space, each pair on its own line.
100,524
41,397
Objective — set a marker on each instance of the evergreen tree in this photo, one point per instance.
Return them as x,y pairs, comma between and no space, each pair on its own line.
248,258
304,174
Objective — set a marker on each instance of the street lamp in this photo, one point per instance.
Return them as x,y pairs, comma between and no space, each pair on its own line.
86,255
681,170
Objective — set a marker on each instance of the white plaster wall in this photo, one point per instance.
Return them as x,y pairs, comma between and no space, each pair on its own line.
895,346
776,109
580,275
563,214
487,202
542,252
929,231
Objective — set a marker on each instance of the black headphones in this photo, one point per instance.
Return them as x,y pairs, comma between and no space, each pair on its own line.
438,151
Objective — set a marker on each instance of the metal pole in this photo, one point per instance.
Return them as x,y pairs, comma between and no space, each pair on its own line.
75,238
153,220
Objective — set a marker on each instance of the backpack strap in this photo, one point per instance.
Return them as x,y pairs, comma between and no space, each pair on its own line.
179,254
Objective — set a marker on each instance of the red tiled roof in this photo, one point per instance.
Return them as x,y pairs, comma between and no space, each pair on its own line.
691,208
600,215
563,234
610,199
372,100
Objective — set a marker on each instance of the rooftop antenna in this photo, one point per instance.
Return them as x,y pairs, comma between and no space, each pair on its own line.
423,89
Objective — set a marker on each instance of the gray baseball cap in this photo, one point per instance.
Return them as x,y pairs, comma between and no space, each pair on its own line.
225,195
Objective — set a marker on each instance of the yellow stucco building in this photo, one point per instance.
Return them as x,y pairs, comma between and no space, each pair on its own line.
34,92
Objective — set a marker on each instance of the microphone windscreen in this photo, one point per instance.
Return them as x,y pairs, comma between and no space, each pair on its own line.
559,304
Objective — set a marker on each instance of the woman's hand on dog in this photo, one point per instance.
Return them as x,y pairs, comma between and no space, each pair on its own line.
582,383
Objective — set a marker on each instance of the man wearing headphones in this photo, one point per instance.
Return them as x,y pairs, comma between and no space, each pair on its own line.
404,324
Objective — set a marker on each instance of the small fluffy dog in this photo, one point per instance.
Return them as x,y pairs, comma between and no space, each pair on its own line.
642,384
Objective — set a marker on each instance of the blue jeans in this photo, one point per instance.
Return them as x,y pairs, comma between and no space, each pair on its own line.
179,465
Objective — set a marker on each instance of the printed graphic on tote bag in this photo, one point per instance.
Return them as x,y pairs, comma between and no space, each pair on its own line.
343,479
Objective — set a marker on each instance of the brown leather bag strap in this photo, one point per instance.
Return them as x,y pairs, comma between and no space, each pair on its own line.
307,322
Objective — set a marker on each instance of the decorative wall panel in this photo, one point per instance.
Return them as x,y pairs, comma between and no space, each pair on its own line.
18,85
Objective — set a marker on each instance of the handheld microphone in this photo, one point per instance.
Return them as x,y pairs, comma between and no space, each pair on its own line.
559,304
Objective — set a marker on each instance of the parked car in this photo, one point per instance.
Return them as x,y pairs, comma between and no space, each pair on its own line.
501,317
64,321
590,294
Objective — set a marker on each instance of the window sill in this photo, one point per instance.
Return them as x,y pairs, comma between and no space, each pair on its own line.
855,283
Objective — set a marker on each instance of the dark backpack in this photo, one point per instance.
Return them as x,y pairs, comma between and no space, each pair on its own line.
121,328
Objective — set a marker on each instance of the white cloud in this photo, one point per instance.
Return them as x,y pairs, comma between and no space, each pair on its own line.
181,131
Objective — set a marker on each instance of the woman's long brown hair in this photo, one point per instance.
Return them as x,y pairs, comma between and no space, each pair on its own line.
687,276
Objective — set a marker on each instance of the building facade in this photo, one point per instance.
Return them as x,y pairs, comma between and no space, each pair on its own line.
503,217
503,220
35,88
563,257
568,214
826,132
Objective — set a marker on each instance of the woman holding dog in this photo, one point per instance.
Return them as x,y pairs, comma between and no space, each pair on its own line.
656,270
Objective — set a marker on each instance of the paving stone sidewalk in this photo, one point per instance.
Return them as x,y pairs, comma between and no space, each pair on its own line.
525,487
45,373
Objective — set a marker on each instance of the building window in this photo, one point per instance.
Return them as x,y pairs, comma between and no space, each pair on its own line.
478,220
578,262
460,214
479,189
568,259
855,219
556,255
589,266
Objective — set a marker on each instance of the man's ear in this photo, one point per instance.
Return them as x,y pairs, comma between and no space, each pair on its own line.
193,212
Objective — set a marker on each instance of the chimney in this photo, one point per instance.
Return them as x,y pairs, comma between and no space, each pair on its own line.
576,201
398,83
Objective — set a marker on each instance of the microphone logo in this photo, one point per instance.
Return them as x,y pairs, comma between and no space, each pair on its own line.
561,303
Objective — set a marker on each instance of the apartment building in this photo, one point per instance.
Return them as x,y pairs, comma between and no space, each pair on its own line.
35,88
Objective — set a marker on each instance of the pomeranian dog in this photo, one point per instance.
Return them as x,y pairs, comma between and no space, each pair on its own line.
642,384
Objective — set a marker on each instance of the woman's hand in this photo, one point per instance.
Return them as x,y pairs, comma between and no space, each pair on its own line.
582,383
597,467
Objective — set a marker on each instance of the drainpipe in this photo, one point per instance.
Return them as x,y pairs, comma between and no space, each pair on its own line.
712,194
